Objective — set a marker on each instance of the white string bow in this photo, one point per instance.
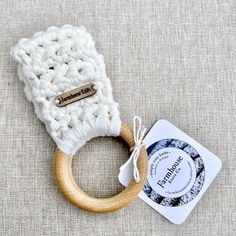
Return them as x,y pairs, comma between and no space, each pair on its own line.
138,132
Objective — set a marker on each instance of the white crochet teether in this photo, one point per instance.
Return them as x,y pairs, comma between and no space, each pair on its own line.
65,78
58,61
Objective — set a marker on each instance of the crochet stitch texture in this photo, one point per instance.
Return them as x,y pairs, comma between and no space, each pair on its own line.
57,61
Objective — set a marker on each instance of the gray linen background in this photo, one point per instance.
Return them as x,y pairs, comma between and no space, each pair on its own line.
166,59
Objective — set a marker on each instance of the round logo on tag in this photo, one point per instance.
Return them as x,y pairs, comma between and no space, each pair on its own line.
176,173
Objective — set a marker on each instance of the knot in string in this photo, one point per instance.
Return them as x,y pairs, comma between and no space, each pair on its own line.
138,132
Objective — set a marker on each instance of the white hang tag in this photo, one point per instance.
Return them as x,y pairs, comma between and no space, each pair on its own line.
179,171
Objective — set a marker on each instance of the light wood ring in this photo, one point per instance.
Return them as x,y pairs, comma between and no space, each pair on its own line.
64,178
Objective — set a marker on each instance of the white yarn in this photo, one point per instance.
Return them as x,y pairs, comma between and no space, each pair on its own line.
139,132
57,61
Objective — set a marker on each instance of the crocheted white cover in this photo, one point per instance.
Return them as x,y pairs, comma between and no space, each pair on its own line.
57,61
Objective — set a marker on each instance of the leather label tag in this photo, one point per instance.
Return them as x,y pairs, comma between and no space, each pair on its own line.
75,95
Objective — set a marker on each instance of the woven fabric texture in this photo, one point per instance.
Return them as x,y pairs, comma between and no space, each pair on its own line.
166,59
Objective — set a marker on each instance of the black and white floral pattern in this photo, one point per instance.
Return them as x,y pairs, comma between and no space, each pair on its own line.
200,173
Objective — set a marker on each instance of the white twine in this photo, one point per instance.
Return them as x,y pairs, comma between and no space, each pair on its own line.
138,132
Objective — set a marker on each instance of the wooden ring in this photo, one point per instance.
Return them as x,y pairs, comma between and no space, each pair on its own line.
64,178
